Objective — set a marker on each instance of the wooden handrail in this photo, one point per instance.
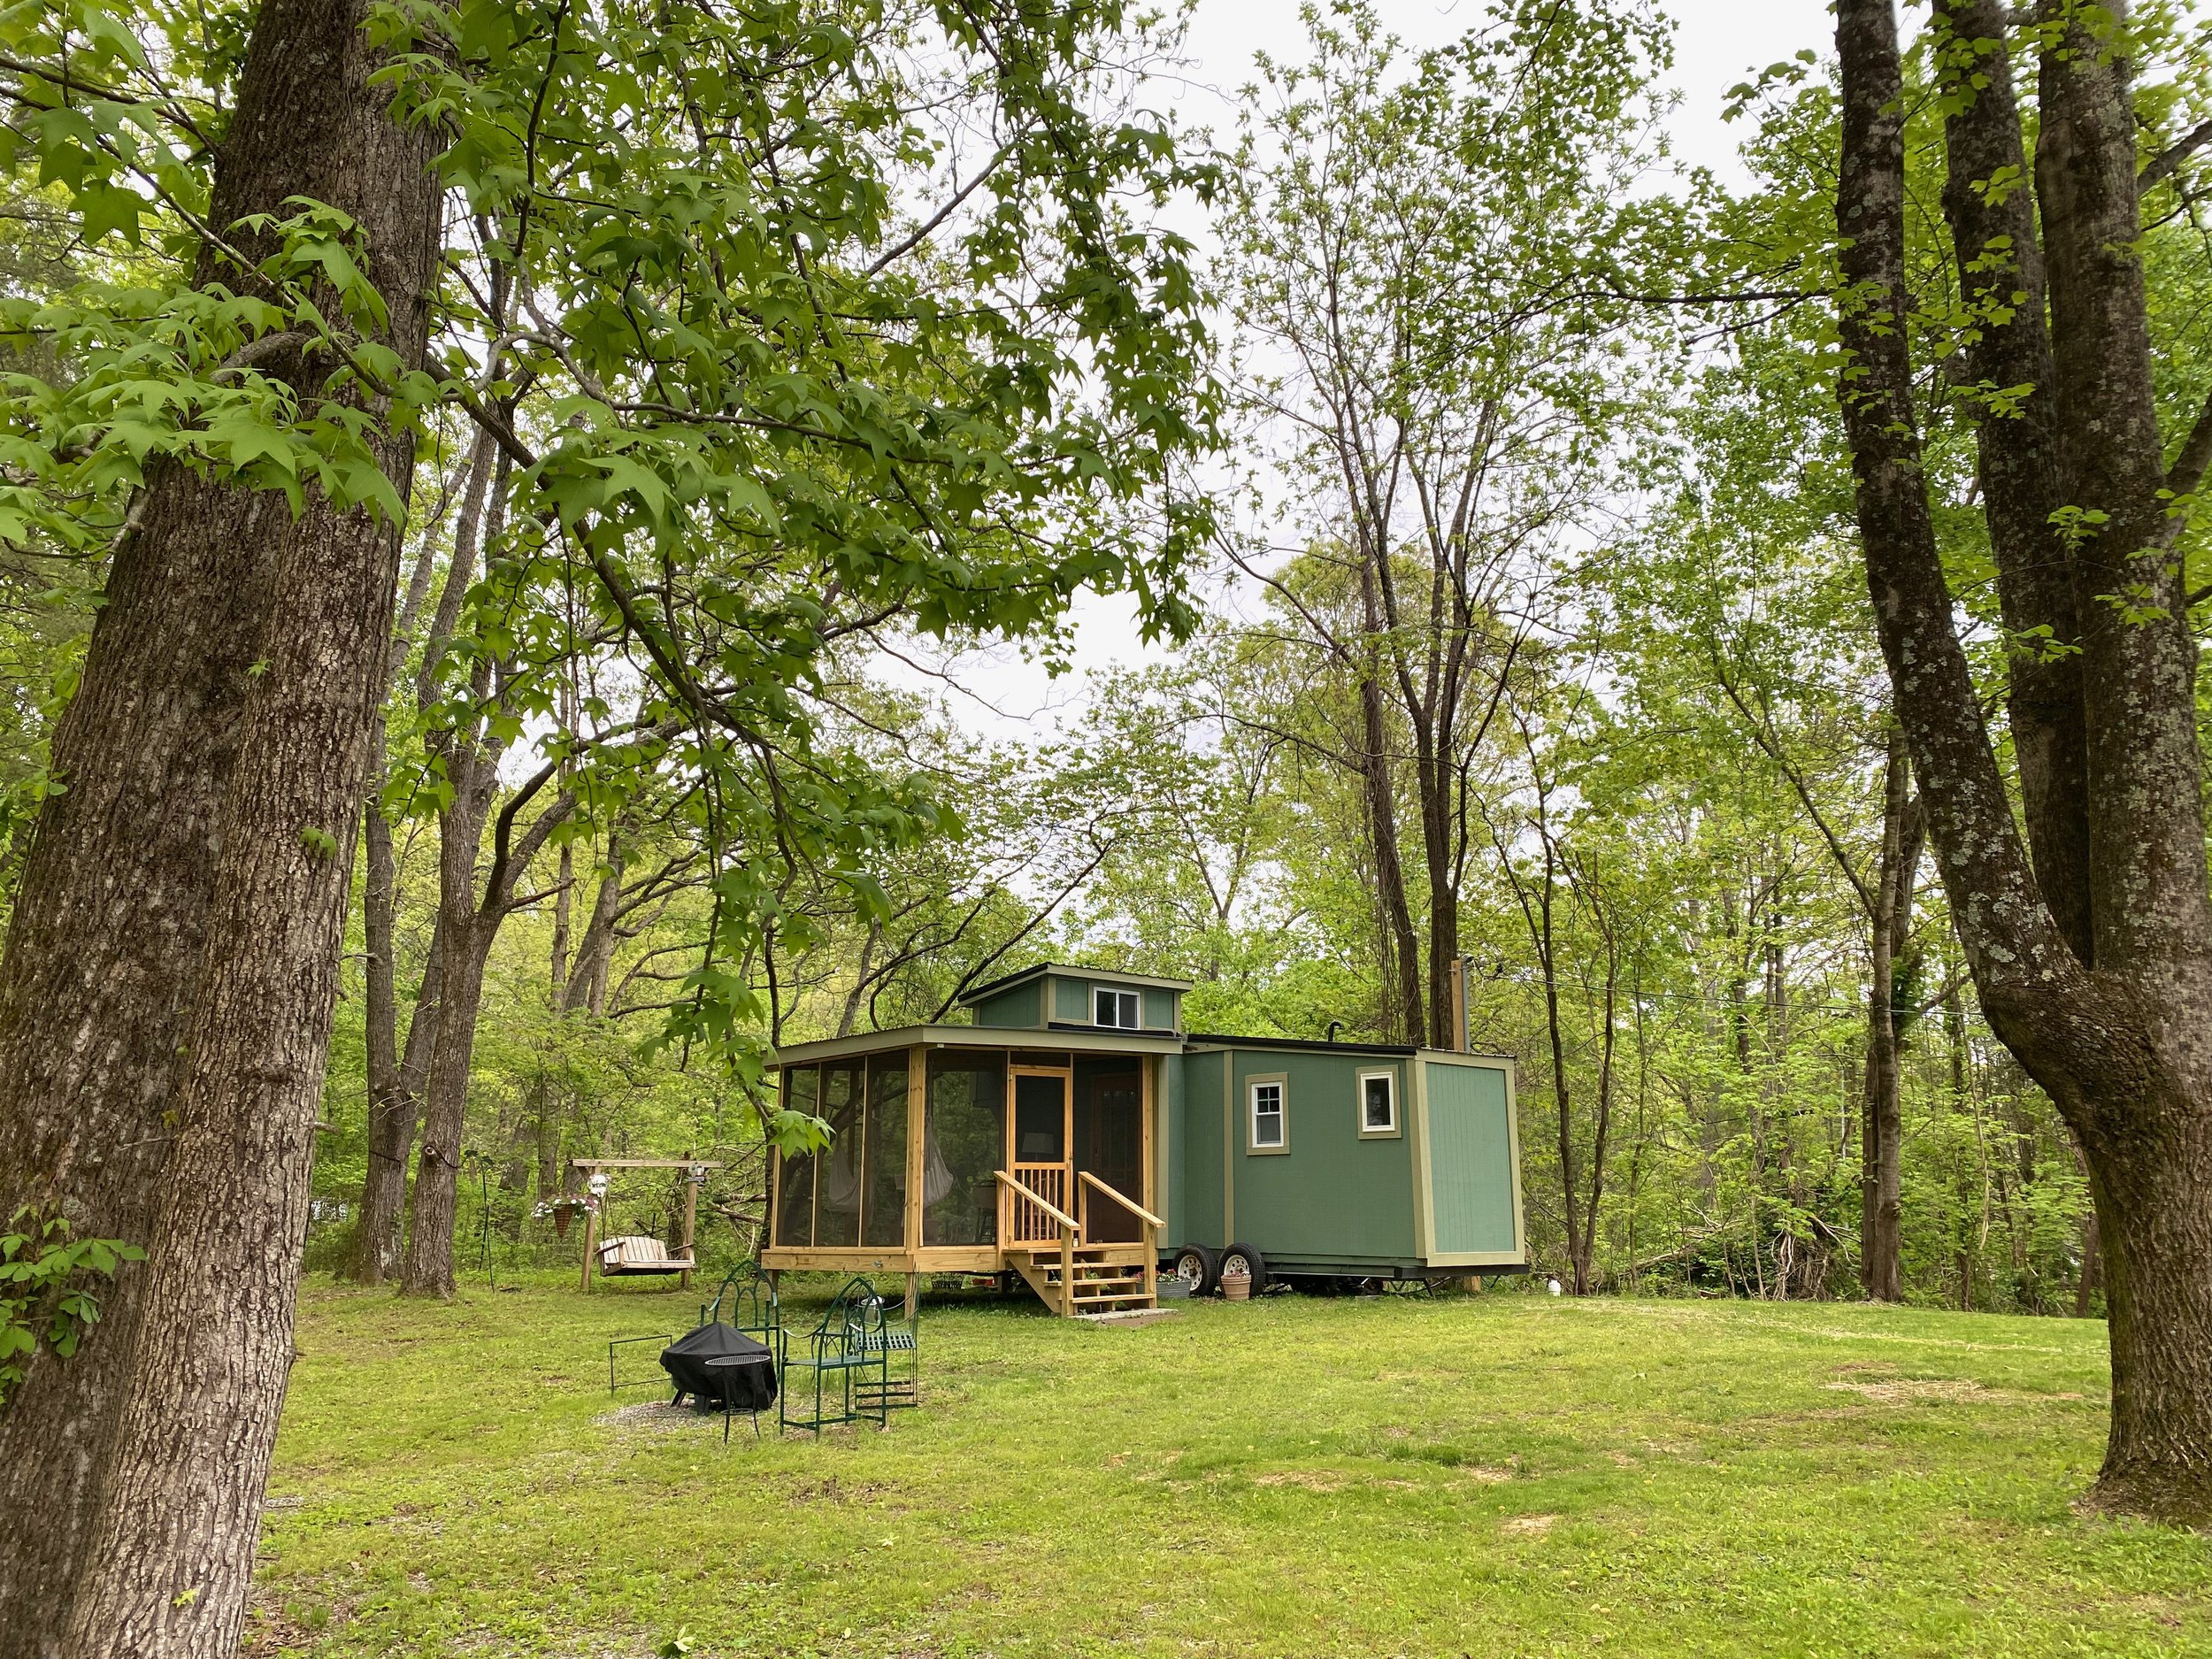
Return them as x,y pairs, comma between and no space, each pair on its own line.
1122,1199
1045,1204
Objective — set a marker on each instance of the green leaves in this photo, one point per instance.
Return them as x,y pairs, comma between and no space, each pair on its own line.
44,1297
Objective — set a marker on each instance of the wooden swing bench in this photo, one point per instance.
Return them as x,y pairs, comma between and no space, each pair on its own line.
634,1253
630,1254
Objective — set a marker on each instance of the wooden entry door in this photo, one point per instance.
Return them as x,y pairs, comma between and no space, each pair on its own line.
1040,1151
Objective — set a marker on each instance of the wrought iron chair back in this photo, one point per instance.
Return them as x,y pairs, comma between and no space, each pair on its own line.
746,1300
848,1344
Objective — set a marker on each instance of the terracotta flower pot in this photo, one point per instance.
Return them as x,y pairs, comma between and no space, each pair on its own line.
1237,1287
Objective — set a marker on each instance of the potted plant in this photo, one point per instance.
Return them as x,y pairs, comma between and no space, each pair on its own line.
562,1211
1237,1287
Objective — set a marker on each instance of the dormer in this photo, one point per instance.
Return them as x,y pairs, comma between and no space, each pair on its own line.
1056,996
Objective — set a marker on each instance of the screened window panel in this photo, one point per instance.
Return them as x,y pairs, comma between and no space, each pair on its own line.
883,1208
794,1197
965,1144
837,1172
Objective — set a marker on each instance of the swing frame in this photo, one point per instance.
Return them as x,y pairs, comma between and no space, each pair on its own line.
698,1169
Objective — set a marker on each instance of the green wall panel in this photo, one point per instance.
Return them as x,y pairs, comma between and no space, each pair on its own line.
1471,1157
1159,1011
1018,1006
1201,1152
1072,1000
1332,1195
1171,1153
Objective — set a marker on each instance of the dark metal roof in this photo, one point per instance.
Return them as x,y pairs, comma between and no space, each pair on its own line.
1308,1043
1006,982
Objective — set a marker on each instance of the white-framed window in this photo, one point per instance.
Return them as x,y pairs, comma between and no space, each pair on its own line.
1378,1103
1117,1009
1270,1119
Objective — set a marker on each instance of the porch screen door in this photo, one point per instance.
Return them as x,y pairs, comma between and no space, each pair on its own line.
1042,1129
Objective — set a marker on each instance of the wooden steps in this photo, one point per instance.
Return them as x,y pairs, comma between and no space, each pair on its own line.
1106,1278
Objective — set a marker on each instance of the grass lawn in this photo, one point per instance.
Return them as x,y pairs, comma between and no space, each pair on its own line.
1484,1475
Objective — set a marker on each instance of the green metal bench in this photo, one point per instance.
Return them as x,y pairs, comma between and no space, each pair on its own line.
851,1342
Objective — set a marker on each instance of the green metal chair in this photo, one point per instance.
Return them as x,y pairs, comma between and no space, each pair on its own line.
900,1388
746,1300
850,1344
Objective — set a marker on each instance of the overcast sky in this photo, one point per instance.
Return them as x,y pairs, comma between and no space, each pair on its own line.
1717,43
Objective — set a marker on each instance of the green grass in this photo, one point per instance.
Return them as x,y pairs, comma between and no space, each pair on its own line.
1488,1475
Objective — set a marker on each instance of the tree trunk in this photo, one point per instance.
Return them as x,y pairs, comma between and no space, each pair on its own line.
1881,1166
391,1109
171,1559
464,941
156,892
2001,269
1401,958
2117,1046
467,926
395,1084
167,988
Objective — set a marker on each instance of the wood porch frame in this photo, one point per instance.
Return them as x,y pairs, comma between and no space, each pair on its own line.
915,1258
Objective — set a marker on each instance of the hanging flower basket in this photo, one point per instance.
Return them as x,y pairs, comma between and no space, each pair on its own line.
563,1211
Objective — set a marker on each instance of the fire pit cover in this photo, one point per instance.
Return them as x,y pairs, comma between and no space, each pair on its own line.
751,1386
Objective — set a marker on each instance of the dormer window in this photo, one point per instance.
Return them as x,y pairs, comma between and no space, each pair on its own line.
1117,1009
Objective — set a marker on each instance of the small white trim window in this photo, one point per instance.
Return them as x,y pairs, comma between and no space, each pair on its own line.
1377,1104
1269,1119
1117,1009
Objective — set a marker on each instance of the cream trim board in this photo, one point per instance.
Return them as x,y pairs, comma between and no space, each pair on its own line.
1396,1127
1477,1258
1253,1082
1424,1220
1513,1139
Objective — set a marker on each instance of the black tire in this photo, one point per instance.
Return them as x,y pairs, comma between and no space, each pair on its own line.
1199,1268
1254,1263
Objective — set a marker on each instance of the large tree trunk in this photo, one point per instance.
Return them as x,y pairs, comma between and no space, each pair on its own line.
2000,265
426,1269
173,918
2118,1045
467,928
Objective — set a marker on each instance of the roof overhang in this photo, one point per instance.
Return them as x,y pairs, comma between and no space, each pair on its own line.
1012,1038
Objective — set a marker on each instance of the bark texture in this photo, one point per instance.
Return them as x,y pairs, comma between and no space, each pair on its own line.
2116,1035
165,991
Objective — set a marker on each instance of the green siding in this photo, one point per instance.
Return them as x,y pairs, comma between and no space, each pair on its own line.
1072,1000
1332,1196
1200,1152
1470,1158
1018,1006
1159,1011
1169,1152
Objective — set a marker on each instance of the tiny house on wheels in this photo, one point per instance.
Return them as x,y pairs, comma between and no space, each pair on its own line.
1076,1134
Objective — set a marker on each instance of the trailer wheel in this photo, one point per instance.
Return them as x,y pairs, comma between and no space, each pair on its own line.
1196,1266
1243,1258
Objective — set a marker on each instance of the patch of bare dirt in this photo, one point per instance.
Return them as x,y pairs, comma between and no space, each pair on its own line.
1530,1526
